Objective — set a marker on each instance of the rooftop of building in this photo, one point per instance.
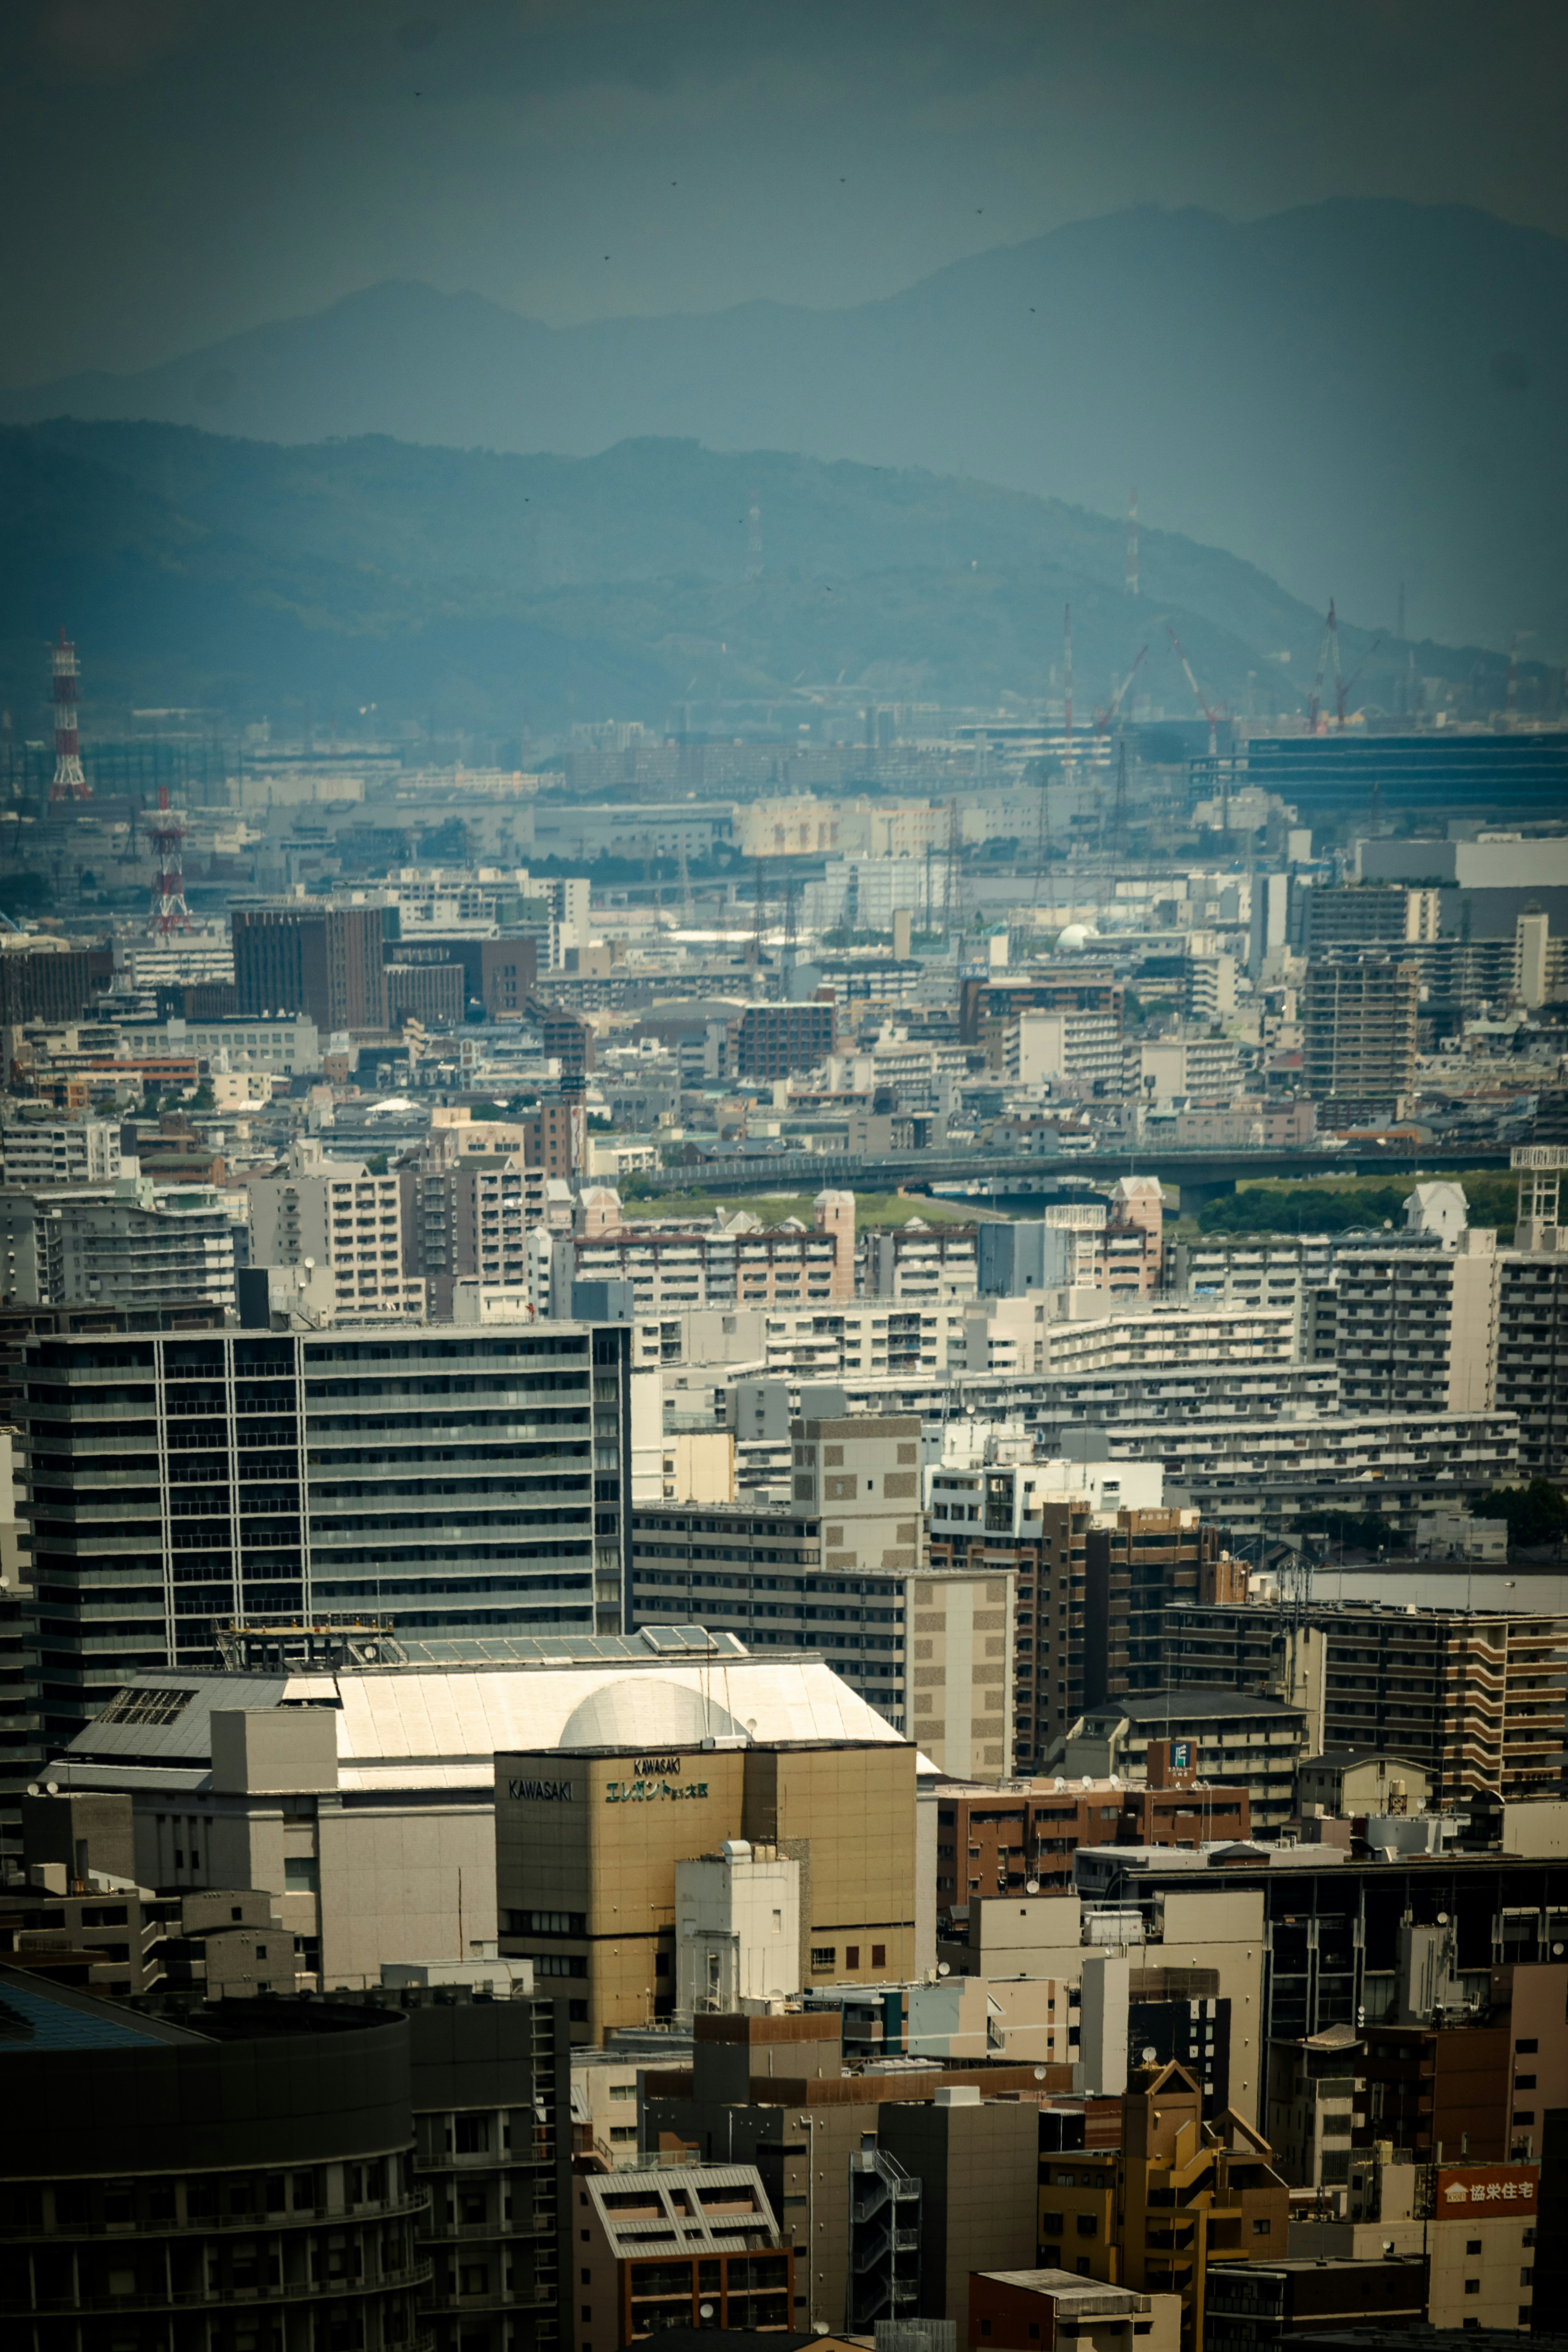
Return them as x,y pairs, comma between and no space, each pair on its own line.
437,1721
36,2015
1088,2298
1148,1710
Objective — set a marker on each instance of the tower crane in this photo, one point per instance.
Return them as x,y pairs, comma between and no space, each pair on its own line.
1104,718
1330,639
1213,712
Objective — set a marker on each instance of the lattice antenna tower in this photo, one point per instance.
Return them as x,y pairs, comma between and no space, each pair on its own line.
69,783
754,537
166,829
1132,544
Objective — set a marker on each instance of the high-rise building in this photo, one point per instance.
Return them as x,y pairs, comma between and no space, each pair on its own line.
771,1041
1005,1516
728,1260
1358,1035
758,1572
1136,1567
333,1214
311,957
1415,1328
1532,1356
461,1481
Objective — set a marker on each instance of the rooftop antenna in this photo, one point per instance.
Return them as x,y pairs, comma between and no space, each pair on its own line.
754,537
1132,544
69,783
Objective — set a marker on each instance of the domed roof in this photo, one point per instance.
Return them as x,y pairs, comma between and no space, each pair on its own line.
1076,935
647,1711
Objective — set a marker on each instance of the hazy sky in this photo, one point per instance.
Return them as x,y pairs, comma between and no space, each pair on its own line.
173,170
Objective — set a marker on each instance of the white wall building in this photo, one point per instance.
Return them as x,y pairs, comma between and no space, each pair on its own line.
737,1929
38,1152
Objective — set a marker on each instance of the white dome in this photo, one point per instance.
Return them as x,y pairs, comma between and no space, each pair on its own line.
646,1711
1076,935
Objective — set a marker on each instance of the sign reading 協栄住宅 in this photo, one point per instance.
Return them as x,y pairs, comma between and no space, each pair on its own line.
1462,2188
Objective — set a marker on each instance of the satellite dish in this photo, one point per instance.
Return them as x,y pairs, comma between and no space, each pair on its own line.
1151,2056
32,1788
704,2311
1031,1886
52,1788
1060,1783
1089,1780
1442,1919
1388,2246
943,1969
1039,2074
1556,1951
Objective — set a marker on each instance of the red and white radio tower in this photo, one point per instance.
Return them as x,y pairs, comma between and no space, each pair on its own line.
170,912
69,783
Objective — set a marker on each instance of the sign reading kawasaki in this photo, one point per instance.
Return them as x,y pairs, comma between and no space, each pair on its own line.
644,1793
553,1793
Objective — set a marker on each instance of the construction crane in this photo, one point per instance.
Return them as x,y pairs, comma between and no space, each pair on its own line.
1103,719
1347,689
1315,701
1213,712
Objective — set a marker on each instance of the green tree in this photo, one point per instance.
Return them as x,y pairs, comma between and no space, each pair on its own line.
1536,1513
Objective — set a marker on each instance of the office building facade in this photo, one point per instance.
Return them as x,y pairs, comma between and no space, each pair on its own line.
469,1481
326,961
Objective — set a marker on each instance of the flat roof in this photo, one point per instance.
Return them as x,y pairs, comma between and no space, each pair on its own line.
36,2015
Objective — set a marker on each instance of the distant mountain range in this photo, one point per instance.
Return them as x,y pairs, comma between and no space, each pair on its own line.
510,594
1348,397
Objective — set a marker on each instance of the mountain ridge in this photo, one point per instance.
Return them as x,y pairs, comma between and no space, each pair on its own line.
252,577
1351,395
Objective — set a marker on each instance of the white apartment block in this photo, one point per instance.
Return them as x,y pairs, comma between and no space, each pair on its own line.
131,1243
1415,1328
1278,1270
1189,1066
1276,1475
288,1045
1045,1048
206,952
334,1214
40,1152
919,1261
1163,1338
728,1260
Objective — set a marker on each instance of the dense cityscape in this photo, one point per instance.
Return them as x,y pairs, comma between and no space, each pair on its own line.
992,1362
784,1268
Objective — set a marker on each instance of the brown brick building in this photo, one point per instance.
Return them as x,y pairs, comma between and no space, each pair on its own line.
1134,1570
328,962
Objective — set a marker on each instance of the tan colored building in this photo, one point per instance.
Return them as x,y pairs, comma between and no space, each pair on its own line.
862,1473
1474,2222
587,1840
1178,2196
1217,1929
958,1640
